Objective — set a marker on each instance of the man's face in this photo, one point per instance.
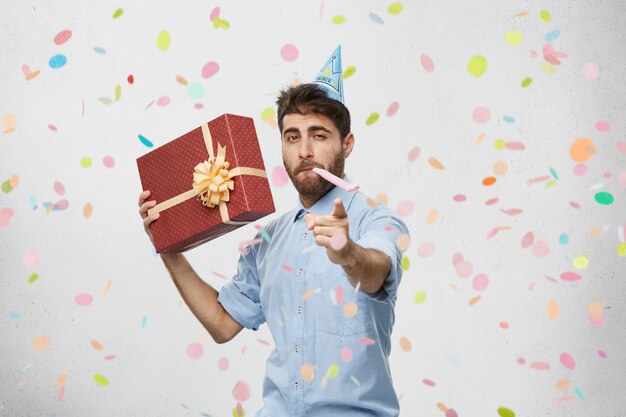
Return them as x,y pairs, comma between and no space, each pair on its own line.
308,141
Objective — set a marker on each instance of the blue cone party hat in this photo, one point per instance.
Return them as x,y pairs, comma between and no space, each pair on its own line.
330,78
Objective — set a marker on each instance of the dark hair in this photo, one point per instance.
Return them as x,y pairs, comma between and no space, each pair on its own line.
309,98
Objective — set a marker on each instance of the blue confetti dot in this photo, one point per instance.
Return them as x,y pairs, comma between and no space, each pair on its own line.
100,50
15,315
57,61
579,393
144,321
195,91
552,35
377,19
145,141
563,239
509,119
554,174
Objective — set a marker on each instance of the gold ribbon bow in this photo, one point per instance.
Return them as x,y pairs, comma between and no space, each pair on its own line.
212,181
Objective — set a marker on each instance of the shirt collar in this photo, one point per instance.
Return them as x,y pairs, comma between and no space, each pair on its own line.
324,205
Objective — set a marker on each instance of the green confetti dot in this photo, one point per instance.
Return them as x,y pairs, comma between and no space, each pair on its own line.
405,263
101,380
395,8
545,15
419,297
579,393
339,20
268,114
6,186
105,100
220,23
505,412
527,81
499,144
604,198
349,71
513,37
163,40
477,65
554,174
118,92
372,119
333,371
118,13
266,236
34,276
195,91
85,162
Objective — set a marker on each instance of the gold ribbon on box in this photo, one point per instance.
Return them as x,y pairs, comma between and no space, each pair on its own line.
212,181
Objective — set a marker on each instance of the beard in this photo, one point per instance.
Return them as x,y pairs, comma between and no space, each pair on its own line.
310,184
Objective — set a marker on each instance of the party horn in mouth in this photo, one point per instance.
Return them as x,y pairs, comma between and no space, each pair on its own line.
335,179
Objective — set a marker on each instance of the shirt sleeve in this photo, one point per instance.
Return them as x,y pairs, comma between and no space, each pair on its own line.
380,230
241,296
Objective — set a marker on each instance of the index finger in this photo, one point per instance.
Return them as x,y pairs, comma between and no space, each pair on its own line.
143,196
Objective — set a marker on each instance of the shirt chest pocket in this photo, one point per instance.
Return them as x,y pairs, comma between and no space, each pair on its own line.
339,309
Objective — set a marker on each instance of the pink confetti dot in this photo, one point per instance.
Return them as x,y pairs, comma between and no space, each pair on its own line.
210,69
429,382
52,127
480,282
393,108
214,13
603,126
540,366
459,198
195,351
622,179
567,360
426,249
279,176
83,299
574,204
198,106
405,208
163,101
580,169
108,161
504,325
492,201
289,52
222,364
481,115
366,341
241,391
540,248
602,354
570,276
521,360
59,188
62,37
451,413
621,146
5,216
591,70
427,63
32,260
414,153
345,354
464,269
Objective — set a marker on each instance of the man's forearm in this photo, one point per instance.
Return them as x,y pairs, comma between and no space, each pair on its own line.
201,298
368,266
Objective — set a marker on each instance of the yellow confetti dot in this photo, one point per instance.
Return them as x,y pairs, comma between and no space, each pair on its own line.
403,242
118,92
350,309
373,118
442,407
101,380
405,344
268,114
545,16
499,144
395,8
581,262
87,210
405,263
118,13
33,277
419,297
163,40
621,249
338,20
547,67
333,371
527,81
513,37
434,162
85,162
307,372
553,310
349,71
477,65
41,343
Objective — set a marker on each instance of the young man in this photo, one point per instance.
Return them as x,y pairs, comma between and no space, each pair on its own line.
326,284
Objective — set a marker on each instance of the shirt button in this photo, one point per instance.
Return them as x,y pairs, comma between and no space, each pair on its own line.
295,385
306,236
299,309
300,271
296,348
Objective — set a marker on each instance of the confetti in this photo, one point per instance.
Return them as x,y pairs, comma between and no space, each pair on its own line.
279,176
57,61
481,115
505,412
567,360
28,74
101,380
513,37
373,118
163,40
118,13
604,198
222,364
96,345
62,37
405,344
145,141
33,277
427,63
289,52
393,108
349,71
545,16
210,69
195,351
405,208
307,372
426,249
477,65
83,299
590,71
9,120
41,343
414,153
553,310
338,20
241,391
32,260
419,297
350,310
345,354
480,282
395,8
376,19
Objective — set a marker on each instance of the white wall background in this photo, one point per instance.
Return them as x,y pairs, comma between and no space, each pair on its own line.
476,364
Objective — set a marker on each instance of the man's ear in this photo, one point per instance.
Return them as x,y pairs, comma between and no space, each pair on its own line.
348,144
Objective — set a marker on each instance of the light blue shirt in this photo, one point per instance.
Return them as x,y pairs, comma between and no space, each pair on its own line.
290,284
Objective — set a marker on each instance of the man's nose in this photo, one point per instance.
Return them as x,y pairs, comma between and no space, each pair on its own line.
306,149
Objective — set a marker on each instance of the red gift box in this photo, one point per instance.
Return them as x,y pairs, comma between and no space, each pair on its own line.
206,183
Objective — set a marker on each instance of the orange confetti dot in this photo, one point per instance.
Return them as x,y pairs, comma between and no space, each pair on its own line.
474,300
350,309
442,407
403,242
41,343
500,168
96,345
519,14
307,372
594,309
553,310
107,284
582,149
14,180
489,181
371,202
480,138
405,344
307,294
87,210
434,162
432,216
382,197
562,384
181,80
61,380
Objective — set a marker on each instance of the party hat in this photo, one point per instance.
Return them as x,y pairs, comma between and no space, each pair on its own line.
329,78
